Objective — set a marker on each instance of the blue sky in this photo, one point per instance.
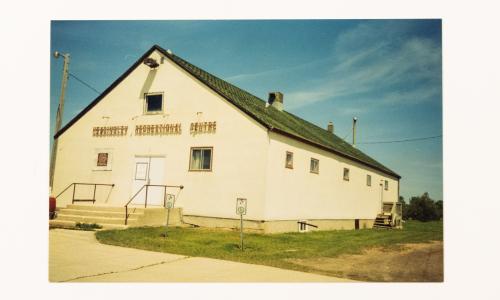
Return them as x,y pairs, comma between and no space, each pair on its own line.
385,72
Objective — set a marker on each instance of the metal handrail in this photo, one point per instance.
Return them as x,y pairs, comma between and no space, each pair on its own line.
146,198
74,184
307,224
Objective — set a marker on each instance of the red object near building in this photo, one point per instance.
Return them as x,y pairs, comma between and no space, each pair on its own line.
52,207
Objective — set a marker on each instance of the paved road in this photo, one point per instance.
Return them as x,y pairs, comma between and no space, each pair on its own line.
77,256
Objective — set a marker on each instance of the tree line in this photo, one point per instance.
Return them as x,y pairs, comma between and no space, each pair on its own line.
422,208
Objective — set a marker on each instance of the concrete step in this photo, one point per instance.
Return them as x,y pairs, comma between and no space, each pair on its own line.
61,224
98,213
72,224
105,208
93,219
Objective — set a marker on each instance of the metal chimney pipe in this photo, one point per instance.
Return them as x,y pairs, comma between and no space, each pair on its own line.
354,120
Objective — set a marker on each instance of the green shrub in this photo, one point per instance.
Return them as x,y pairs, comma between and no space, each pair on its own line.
87,227
423,208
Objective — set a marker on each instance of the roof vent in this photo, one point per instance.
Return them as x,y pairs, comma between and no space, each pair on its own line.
276,100
330,127
151,62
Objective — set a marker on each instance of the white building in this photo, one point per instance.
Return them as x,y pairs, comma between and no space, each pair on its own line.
167,122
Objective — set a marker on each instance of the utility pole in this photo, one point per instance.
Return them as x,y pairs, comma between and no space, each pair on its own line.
60,110
354,120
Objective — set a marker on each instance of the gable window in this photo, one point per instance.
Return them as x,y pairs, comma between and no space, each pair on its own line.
201,159
314,166
289,160
154,103
386,185
369,180
346,174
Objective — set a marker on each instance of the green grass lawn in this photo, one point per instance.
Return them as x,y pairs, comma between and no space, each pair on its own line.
271,249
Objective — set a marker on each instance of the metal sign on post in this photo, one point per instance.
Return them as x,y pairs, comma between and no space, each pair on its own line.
241,209
169,204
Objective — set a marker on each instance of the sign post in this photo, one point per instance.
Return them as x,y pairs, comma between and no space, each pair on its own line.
169,203
241,209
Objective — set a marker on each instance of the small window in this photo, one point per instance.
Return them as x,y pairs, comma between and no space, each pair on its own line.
369,180
141,171
201,159
154,103
314,166
346,174
102,159
386,185
289,160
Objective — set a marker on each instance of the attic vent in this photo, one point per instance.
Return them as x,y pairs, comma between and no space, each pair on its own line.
151,62
276,100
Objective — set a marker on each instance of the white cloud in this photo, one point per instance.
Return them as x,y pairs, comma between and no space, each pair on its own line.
401,74
277,72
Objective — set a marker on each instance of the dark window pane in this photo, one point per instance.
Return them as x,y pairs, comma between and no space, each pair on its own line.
102,159
196,159
289,160
207,159
346,174
154,102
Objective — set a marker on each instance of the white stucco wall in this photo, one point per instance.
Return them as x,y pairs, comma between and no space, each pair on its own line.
239,156
247,161
294,194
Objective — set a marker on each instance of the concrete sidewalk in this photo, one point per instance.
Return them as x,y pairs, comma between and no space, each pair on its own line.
78,256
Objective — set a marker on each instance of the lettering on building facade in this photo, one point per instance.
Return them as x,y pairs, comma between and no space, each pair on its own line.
158,129
103,131
203,127
154,129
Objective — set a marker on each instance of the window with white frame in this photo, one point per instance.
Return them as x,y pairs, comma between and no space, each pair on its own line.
386,185
153,103
201,159
346,174
102,159
314,166
369,180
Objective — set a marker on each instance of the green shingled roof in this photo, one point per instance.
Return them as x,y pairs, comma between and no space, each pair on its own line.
280,121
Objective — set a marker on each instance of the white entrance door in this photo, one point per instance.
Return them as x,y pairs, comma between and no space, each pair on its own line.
148,171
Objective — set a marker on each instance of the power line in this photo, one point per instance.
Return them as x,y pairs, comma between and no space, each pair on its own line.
405,140
84,83
349,133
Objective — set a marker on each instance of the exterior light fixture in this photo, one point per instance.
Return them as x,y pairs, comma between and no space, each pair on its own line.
151,62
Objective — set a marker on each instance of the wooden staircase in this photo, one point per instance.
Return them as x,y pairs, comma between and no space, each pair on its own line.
383,221
391,216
